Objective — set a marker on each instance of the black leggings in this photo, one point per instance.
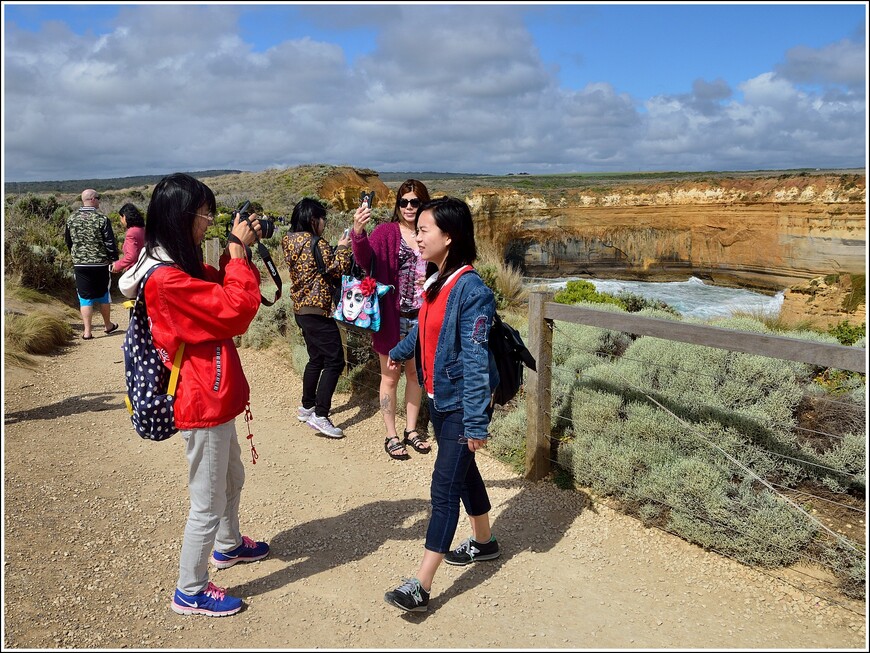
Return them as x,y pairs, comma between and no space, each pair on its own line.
325,361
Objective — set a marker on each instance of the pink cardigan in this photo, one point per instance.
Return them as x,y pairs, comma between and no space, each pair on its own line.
383,245
134,240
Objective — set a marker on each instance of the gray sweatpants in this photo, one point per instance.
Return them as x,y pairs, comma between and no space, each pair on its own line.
215,479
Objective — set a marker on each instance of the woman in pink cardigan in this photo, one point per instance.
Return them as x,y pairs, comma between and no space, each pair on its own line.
134,239
397,263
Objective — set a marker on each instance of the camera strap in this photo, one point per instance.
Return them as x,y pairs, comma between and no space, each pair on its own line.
267,260
273,272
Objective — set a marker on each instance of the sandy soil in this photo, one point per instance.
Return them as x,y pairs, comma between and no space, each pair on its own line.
93,519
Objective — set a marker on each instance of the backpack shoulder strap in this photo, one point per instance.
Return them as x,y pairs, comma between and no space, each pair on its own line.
318,254
176,363
140,294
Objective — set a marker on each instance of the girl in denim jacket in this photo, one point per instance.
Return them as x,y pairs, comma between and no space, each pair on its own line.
458,373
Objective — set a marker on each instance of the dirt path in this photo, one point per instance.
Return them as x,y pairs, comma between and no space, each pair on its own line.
93,520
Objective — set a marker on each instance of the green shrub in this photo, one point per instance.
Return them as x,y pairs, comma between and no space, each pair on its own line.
584,291
271,322
635,303
694,472
508,436
34,249
848,334
848,456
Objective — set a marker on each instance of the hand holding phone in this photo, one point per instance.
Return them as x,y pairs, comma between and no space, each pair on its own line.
346,233
366,198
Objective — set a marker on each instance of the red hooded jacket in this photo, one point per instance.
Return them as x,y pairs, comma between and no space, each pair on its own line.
205,315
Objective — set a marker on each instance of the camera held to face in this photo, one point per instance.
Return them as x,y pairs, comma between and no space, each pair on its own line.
267,225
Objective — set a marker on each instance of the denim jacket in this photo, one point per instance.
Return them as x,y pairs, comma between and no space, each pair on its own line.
465,374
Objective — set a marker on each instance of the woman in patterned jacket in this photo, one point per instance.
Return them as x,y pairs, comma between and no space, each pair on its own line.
312,309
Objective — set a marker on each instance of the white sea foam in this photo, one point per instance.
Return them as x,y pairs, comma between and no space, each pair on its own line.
692,298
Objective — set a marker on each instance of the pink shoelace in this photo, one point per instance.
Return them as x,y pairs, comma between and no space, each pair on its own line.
248,543
215,592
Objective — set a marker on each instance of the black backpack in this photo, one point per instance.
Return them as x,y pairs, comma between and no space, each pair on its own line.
510,353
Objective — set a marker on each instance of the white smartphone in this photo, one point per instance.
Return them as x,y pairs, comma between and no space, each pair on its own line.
346,233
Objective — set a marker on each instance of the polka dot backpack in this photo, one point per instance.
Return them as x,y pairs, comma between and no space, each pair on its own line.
150,384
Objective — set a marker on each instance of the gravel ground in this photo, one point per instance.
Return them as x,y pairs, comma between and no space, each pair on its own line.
93,519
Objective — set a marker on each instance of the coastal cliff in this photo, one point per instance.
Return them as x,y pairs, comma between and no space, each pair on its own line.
766,232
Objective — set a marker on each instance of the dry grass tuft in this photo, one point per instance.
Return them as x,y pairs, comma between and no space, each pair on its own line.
37,333
505,280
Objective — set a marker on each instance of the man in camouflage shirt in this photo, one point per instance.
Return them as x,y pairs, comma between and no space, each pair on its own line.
91,242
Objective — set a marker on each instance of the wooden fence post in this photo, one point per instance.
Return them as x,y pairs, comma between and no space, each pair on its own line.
212,252
538,387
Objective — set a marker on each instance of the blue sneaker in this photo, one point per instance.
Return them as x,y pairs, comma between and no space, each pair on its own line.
212,602
247,551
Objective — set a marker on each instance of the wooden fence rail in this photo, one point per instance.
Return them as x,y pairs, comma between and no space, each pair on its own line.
538,385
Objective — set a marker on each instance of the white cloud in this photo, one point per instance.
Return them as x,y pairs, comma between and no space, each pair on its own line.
176,87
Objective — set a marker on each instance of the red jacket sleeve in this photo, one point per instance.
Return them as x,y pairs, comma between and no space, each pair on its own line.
185,309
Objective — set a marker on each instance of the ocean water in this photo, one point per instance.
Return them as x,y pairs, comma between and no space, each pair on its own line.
692,298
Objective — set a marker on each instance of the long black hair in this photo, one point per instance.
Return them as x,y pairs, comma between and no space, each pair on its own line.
132,215
453,217
305,215
171,214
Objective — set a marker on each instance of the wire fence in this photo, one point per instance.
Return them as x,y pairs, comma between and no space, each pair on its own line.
803,438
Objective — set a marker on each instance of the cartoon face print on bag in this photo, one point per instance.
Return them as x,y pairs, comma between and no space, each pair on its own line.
359,302
352,302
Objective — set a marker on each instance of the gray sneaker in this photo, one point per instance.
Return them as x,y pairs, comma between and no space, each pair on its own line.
302,414
323,425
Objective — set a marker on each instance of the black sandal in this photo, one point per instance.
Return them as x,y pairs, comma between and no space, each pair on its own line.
390,448
416,441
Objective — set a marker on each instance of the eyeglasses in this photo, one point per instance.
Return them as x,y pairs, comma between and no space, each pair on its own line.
414,203
208,217
96,197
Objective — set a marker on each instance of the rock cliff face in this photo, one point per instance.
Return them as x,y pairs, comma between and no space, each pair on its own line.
826,301
343,186
768,232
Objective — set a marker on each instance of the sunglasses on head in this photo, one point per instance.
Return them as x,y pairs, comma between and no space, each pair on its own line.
414,203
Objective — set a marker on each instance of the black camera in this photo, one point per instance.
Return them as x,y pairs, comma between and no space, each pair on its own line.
267,228
267,225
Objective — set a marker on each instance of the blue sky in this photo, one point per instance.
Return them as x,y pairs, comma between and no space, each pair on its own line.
150,88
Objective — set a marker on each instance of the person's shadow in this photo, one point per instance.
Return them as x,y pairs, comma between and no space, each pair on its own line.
534,519
323,544
87,403
363,398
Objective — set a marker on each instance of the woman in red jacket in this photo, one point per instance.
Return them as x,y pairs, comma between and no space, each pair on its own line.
204,308
393,250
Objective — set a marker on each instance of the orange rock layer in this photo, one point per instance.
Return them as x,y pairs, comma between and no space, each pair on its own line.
766,232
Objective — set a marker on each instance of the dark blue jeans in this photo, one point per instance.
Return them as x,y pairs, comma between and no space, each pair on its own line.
454,478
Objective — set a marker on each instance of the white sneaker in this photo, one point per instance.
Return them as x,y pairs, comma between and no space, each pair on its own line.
302,414
323,425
